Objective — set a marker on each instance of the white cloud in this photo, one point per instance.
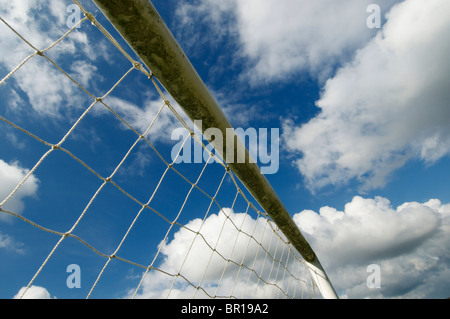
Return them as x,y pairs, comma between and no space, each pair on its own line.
390,104
84,72
52,94
214,13
22,16
409,243
9,243
33,292
38,82
141,116
10,176
211,269
281,40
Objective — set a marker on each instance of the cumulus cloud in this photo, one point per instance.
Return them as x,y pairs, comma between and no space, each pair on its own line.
218,271
33,292
375,112
11,174
278,41
388,105
409,244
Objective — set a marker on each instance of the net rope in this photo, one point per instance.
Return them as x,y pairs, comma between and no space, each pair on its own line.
257,261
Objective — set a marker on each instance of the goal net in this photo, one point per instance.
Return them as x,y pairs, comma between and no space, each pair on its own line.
109,190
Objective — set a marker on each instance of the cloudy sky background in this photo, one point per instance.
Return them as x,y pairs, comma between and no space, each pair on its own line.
364,117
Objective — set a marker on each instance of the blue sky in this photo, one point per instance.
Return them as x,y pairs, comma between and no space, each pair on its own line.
364,138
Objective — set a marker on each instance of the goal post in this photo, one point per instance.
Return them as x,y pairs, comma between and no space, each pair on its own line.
141,26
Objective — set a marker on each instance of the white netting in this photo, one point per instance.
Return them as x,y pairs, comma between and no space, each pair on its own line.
87,161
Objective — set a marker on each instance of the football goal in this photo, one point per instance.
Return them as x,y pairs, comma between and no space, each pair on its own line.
122,176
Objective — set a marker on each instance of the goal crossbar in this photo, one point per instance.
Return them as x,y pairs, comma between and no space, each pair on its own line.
141,26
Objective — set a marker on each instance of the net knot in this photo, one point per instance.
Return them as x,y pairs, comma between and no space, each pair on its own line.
137,65
90,16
